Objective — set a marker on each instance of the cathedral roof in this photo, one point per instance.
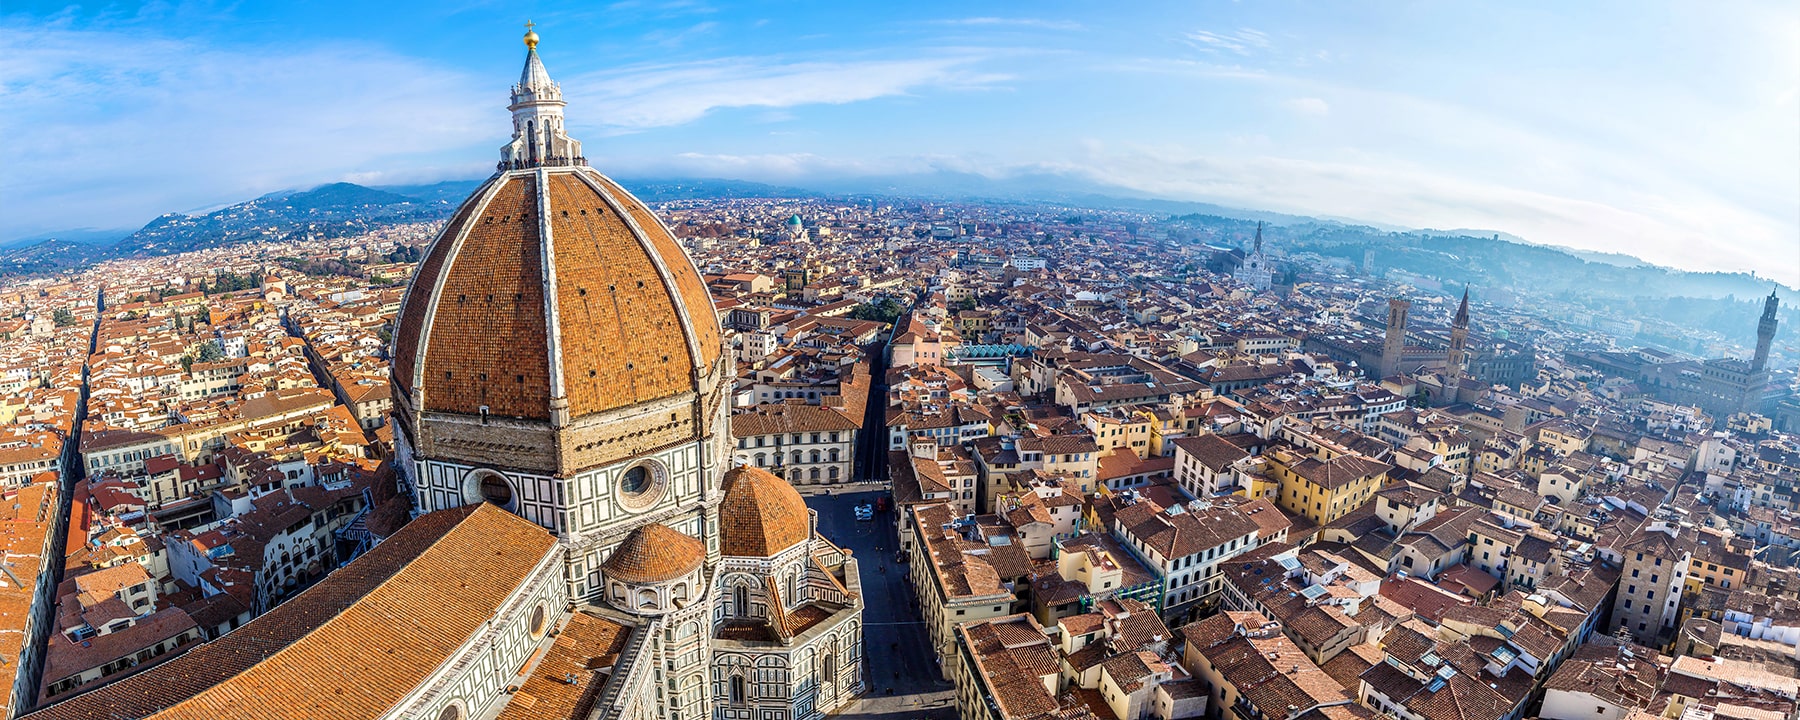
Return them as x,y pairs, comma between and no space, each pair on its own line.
761,514
466,562
654,553
551,283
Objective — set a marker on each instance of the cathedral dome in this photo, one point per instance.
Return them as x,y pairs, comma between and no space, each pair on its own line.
552,293
761,514
654,553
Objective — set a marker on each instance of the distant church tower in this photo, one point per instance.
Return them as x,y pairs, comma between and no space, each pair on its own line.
1255,270
1396,337
1459,340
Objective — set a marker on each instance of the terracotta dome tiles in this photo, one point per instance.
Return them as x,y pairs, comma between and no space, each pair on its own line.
761,514
654,553
687,280
622,339
490,316
412,319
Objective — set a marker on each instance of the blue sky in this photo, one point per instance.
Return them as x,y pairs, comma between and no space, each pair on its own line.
1667,131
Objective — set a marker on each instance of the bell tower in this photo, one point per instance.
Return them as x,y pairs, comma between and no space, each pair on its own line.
1395,341
1459,355
1765,333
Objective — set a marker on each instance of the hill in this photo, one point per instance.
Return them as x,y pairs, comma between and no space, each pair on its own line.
332,210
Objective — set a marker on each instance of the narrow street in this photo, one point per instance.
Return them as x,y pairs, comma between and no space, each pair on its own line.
901,666
871,441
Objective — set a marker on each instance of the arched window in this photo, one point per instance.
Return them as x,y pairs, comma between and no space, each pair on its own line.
832,472
830,674
796,457
761,459
814,456
646,598
737,689
813,474
740,601
833,454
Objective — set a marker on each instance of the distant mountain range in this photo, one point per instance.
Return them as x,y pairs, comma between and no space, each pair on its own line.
1483,258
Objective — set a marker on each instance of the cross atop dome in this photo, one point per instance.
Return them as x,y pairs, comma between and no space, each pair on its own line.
537,107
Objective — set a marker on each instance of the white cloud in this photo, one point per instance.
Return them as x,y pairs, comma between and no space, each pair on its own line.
1243,41
635,98
1398,193
1017,22
110,129
1309,106
773,166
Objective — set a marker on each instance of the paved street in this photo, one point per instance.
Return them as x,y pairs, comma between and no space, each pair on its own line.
899,656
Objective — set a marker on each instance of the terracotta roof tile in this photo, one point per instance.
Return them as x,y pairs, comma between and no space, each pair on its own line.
654,553
761,514
463,563
489,315
622,342
486,339
587,650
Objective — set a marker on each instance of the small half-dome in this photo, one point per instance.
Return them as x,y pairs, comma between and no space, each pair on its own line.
761,514
654,553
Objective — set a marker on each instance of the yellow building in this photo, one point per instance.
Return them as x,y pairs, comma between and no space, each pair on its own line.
1165,426
1564,437
1324,491
1715,562
1118,429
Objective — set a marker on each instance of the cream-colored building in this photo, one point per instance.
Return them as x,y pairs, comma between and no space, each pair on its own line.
955,580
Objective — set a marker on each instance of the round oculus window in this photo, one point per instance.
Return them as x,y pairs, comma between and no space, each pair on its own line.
494,489
540,620
640,486
453,712
636,481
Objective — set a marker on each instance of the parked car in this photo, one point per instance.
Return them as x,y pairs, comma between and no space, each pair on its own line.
865,511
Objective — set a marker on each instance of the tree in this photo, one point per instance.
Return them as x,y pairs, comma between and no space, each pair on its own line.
884,310
209,351
63,317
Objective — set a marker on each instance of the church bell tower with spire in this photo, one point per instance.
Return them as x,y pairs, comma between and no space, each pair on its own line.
1459,353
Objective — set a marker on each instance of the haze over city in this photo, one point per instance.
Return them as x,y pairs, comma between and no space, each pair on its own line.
1663,131
682,361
